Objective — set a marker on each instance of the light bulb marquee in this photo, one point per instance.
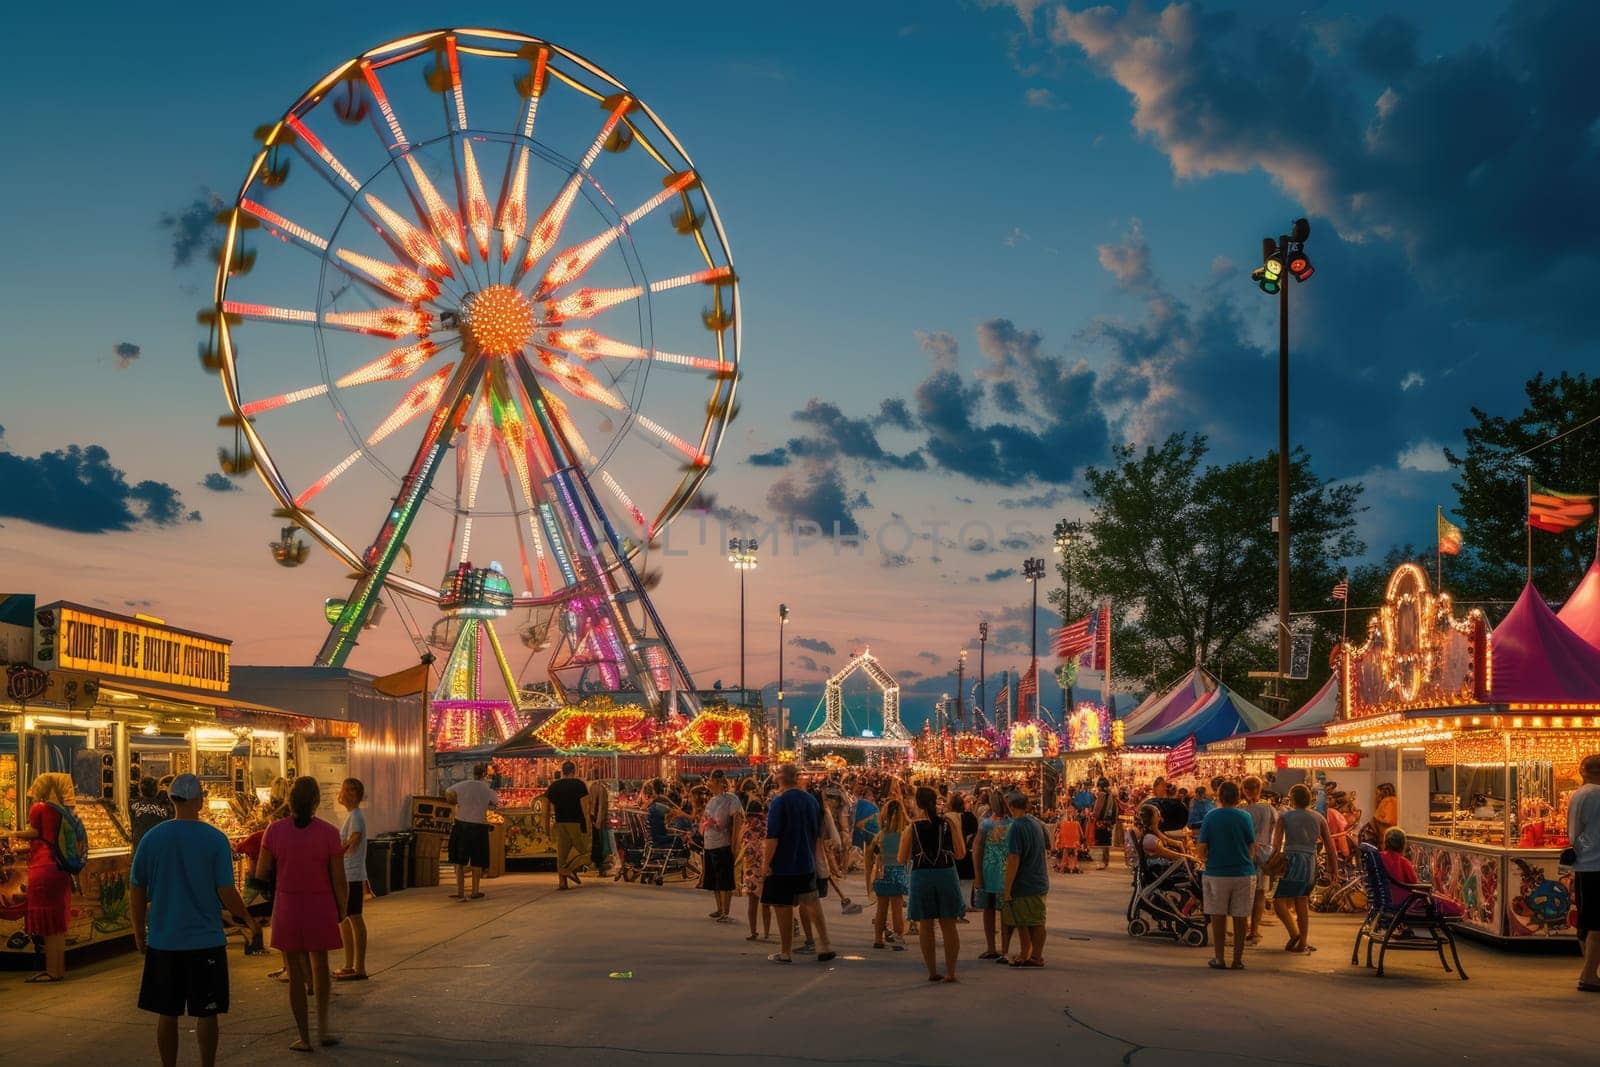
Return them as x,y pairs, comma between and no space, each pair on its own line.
1418,654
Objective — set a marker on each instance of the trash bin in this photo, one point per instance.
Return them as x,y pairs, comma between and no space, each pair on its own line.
380,860
403,842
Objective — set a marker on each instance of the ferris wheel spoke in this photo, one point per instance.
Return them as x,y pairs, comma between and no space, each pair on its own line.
502,452
624,499
311,148
327,479
588,345
518,451
476,209
547,231
395,364
575,379
587,303
282,228
570,265
659,435
419,245
391,322
390,278
426,395
273,403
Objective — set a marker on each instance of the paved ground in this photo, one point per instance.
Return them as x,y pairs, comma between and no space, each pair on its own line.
521,977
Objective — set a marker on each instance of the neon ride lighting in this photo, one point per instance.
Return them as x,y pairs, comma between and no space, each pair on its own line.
479,217
423,396
591,345
558,545
311,141
699,277
563,483
396,363
498,320
514,208
392,322
622,495
441,219
545,232
577,381
541,67
420,246
391,277
587,303
453,58
568,265
267,312
282,226
480,436
384,108
327,479
256,407
696,456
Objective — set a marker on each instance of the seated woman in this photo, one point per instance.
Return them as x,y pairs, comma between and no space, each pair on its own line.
1156,846
1401,874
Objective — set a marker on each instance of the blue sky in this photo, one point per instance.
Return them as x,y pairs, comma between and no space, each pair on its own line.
1005,215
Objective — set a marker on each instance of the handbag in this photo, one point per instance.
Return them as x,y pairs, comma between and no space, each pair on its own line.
1276,865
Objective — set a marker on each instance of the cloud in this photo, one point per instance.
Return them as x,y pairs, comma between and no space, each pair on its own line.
817,495
1128,261
1412,380
837,435
813,644
931,657
896,414
1047,499
193,228
777,457
78,489
895,560
1016,237
1457,159
806,663
1001,574
729,515
908,676
1043,99
219,483
1423,456
941,346
125,352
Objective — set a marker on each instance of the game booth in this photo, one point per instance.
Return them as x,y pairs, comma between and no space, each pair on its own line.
1284,750
1216,713
1483,731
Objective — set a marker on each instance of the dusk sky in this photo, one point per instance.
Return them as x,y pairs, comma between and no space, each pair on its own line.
979,244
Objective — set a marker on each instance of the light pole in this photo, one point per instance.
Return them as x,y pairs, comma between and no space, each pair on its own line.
1033,571
1066,537
1286,254
783,621
961,684
983,692
742,554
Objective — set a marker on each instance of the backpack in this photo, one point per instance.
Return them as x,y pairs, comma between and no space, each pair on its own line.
71,846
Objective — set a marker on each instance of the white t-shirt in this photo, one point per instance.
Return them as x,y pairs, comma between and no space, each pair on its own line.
473,800
355,861
716,822
1583,826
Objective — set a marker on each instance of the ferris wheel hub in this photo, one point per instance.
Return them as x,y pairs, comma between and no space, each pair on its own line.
497,320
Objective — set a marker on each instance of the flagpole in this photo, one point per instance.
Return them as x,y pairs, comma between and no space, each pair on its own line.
1344,622
1438,549
1527,512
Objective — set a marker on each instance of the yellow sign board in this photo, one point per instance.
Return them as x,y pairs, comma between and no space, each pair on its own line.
70,637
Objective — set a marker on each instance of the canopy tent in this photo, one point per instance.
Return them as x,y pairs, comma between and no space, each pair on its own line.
1222,714
1581,612
1535,658
1304,724
1176,701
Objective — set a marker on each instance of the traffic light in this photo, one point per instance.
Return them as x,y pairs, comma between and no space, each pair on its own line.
1269,276
1299,265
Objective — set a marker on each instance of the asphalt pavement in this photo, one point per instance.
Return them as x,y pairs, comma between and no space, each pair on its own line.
525,976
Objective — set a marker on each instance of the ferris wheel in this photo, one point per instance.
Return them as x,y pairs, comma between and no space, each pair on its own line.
473,302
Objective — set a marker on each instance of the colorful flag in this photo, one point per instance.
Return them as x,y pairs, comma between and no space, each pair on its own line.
1183,759
1555,512
1074,637
1342,590
1027,693
1449,536
1101,629
1002,701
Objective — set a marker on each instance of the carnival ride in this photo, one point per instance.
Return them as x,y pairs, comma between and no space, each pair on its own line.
380,304
830,733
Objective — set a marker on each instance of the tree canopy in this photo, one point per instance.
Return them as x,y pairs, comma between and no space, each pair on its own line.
1186,552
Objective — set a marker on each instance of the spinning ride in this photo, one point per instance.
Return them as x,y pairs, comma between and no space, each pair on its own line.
472,252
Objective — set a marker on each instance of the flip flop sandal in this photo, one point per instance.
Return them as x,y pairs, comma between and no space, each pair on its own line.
42,977
989,956
479,896
351,977
778,957
1589,987
1216,964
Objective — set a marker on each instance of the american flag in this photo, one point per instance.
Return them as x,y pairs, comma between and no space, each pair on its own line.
1183,759
1002,701
1028,693
1075,637
1342,590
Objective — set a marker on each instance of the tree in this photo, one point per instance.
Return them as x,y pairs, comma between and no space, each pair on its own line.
1556,440
1187,554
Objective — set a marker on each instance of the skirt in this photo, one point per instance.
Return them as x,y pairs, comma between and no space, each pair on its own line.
49,893
1298,879
935,894
305,922
893,882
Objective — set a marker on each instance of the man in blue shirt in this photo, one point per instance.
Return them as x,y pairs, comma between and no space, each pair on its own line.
1198,807
864,818
1225,841
1027,882
182,872
789,864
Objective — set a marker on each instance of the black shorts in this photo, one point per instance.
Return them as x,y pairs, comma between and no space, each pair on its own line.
1102,834
185,981
787,890
469,844
1586,899
717,870
352,905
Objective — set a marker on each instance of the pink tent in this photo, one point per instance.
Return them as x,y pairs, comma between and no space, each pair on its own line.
1537,659
1304,724
1581,612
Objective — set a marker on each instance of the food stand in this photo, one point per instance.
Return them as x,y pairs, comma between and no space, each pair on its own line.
1488,729
1284,750
1093,736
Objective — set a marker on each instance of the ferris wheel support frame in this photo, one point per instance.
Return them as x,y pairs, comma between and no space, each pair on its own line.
378,560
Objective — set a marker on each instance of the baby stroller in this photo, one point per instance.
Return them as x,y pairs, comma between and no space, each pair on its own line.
1166,901
649,857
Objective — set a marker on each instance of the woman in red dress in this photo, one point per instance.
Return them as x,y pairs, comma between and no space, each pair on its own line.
305,858
49,887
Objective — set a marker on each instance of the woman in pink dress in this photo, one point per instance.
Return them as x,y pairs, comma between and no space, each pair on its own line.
305,858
